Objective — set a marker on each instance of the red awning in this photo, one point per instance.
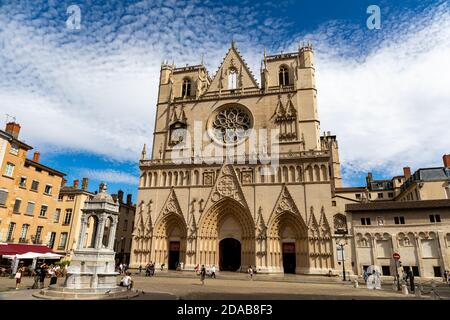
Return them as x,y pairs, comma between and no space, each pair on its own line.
11,249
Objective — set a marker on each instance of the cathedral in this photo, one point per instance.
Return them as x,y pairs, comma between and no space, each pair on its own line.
239,173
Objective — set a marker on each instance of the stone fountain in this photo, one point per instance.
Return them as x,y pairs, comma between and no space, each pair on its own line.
91,274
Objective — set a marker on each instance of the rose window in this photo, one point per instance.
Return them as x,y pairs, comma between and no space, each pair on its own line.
231,125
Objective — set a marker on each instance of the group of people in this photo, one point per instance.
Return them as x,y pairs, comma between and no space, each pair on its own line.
40,273
207,271
149,269
123,268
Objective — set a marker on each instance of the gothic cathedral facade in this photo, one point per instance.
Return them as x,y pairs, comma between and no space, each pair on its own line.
199,207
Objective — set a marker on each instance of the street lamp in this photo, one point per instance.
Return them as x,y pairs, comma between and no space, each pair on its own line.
341,242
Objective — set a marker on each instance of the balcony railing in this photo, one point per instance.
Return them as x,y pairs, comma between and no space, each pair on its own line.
238,159
23,240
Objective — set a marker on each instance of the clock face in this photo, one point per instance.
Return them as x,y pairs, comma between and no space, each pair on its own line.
177,136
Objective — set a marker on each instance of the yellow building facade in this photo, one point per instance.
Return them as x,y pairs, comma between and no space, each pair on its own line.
28,193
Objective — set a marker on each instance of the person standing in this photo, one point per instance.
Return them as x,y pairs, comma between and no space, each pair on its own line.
53,276
140,269
213,271
410,276
366,275
19,275
42,275
202,274
445,276
152,269
250,272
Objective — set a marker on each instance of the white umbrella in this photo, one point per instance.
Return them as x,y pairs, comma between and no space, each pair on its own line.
50,256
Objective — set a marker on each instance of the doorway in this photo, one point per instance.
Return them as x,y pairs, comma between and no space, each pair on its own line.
174,254
289,262
229,254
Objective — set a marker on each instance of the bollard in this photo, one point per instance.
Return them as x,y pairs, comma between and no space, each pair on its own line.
355,283
404,289
418,292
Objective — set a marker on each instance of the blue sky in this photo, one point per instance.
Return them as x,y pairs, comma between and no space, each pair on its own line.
86,98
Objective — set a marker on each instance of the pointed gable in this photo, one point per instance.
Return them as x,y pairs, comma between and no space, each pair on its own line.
171,205
227,185
285,202
139,222
233,60
313,225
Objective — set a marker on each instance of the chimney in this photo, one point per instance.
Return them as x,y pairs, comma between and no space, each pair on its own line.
369,178
407,172
13,129
129,199
120,195
63,183
75,184
36,156
84,183
446,159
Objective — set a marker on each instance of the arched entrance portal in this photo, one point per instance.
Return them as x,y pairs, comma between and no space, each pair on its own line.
226,236
229,254
287,235
289,260
170,241
174,254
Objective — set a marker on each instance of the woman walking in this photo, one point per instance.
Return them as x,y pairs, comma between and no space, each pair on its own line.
203,274
19,275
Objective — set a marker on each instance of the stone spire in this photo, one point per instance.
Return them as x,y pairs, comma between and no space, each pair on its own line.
144,152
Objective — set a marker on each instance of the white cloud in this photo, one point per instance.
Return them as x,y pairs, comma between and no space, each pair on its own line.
109,176
384,93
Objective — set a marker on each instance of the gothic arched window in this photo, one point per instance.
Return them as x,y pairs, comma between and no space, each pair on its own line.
283,76
232,79
186,89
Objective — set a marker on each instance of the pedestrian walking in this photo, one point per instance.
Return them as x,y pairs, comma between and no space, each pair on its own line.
140,269
410,277
250,272
202,274
445,279
19,275
152,269
213,271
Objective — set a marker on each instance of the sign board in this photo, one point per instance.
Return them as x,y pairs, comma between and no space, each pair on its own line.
340,254
396,255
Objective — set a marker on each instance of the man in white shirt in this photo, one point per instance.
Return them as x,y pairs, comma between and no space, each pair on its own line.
127,281
213,271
